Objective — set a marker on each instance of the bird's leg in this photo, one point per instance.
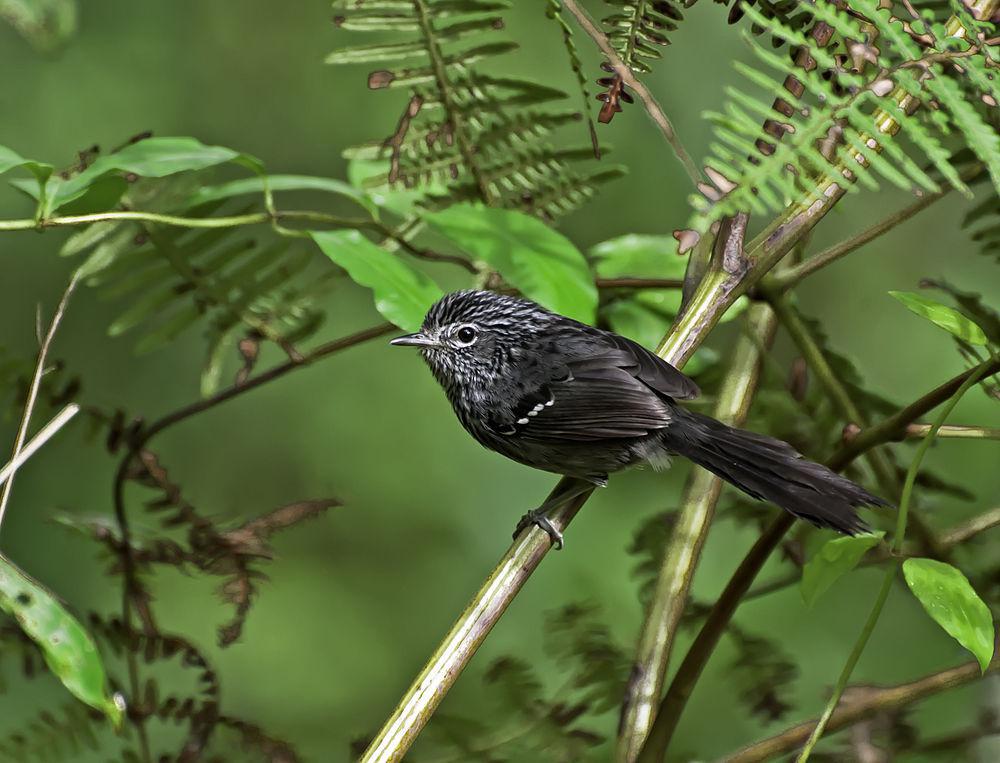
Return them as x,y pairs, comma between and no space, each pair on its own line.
539,517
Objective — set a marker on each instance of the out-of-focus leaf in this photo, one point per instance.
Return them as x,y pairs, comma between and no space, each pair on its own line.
402,293
152,157
68,649
835,559
541,262
255,185
946,317
951,601
10,159
101,196
371,178
46,24
642,256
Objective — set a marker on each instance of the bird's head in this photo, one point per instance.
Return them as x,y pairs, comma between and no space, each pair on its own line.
469,337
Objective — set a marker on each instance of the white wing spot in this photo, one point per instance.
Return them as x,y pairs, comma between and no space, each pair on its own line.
522,421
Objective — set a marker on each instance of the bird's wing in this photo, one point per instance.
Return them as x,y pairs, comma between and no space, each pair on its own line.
586,400
648,368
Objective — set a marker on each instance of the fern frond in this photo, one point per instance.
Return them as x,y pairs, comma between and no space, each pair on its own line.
482,136
829,132
554,11
639,29
173,279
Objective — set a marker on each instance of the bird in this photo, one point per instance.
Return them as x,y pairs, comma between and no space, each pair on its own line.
559,395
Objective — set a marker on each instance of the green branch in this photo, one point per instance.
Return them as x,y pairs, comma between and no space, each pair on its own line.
891,570
701,494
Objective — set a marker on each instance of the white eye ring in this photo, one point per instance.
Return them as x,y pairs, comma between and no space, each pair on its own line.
466,335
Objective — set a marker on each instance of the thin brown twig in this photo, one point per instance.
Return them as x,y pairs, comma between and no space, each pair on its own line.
35,386
653,108
862,702
790,277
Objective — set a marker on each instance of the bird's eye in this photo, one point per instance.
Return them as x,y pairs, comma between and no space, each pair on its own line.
466,335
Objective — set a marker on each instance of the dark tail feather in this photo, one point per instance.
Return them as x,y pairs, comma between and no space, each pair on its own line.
771,470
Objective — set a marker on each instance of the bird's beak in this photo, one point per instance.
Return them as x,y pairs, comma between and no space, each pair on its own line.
414,340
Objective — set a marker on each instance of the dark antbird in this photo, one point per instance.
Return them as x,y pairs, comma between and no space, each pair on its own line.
568,398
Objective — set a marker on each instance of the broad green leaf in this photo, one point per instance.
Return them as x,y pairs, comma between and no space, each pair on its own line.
834,559
542,263
10,160
950,600
403,294
642,256
152,157
68,649
255,185
946,317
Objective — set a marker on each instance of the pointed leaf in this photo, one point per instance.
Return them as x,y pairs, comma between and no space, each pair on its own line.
946,317
835,559
950,600
152,157
68,649
541,262
402,293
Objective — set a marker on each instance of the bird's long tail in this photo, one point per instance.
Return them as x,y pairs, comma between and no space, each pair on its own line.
771,470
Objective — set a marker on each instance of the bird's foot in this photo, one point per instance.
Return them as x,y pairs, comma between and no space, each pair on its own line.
537,518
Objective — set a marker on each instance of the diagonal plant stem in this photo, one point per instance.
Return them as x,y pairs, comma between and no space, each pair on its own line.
790,277
44,434
891,570
701,494
869,702
656,113
737,588
36,383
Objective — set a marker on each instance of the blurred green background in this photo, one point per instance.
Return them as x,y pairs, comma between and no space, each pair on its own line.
358,599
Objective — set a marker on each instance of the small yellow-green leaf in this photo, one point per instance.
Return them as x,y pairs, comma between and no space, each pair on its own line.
834,559
402,293
68,649
951,601
946,317
541,262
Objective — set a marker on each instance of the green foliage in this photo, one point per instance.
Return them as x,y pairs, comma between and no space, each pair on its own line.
953,604
763,674
68,649
946,317
531,256
484,137
149,157
638,29
835,558
46,24
855,98
64,734
402,293
645,314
